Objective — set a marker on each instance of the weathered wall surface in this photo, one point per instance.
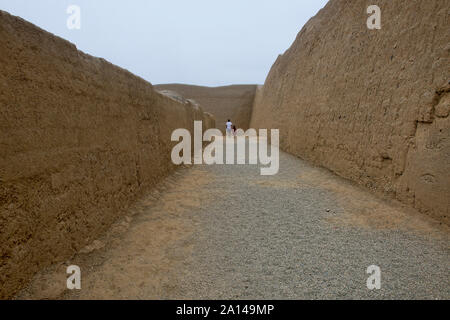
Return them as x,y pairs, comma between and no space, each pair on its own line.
230,102
79,139
371,105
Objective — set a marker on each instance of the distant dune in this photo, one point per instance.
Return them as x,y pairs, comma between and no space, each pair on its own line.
233,102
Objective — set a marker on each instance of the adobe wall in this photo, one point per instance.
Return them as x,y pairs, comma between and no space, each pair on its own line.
80,139
371,105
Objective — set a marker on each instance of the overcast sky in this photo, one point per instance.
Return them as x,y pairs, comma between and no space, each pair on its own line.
203,42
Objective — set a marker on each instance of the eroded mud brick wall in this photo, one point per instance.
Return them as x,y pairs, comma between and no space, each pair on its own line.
79,139
229,102
371,105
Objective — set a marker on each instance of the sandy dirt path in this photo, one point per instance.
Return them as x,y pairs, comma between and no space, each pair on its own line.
226,232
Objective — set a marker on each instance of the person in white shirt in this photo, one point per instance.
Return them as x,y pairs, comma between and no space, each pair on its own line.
229,124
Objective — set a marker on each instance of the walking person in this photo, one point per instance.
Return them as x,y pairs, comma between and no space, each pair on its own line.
229,124
234,130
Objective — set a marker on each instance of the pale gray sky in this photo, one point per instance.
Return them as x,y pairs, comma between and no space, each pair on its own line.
203,42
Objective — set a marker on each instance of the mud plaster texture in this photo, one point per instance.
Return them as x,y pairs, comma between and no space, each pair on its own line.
370,105
80,139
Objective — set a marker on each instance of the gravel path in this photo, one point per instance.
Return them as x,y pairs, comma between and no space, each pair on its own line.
226,232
